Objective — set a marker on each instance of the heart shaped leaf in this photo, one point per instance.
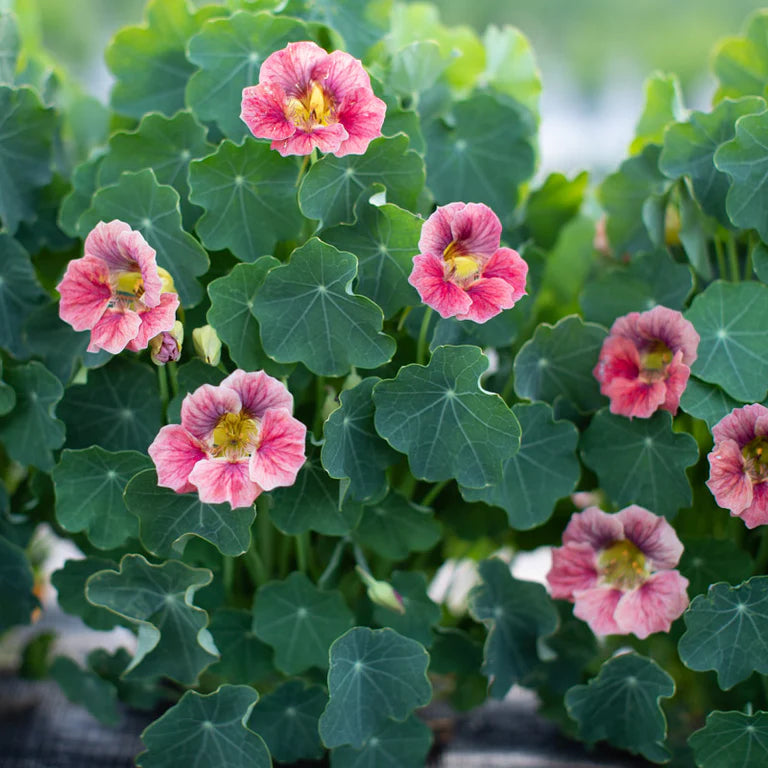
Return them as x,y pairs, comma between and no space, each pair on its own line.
403,744
731,740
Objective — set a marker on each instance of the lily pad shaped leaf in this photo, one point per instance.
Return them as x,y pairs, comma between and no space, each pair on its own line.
307,313
229,53
641,461
727,630
732,740
544,469
706,561
287,719
621,706
89,494
375,675
86,688
168,519
518,614
558,361
173,639
244,657
416,67
732,320
741,63
333,185
352,448
444,421
153,209
17,601
200,729
663,106
707,401
249,195
299,621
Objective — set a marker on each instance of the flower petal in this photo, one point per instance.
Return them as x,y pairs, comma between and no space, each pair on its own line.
263,110
757,512
220,480
293,67
573,569
175,453
115,330
137,252
676,381
653,606
327,138
102,243
596,606
741,424
593,527
652,535
362,115
280,454
728,479
201,411
489,297
634,398
509,266
258,392
436,233
155,320
85,293
476,229
428,278
669,326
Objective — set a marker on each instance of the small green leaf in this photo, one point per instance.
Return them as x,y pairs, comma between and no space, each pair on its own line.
663,105
641,461
333,185
511,66
416,67
741,63
78,201
731,740
116,409
421,614
244,657
17,600
621,706
31,432
229,53
544,469
86,689
404,745
89,494
706,401
705,561
557,362
10,44
172,637
374,675
441,418
249,195
727,630
168,519
732,320
307,313
550,207
518,614
287,719
299,621
203,729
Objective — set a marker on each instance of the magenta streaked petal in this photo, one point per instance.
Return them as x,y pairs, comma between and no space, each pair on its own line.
476,230
652,535
593,527
201,411
155,320
85,293
436,233
280,454
263,111
362,115
220,480
293,67
327,138
428,278
102,242
509,266
741,424
669,326
344,74
596,606
136,250
757,512
653,606
489,297
573,569
676,381
728,479
634,398
175,453
114,331
258,392
619,358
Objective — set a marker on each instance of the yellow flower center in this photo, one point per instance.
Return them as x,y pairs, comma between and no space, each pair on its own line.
166,281
755,454
657,357
623,565
130,285
235,435
462,266
314,108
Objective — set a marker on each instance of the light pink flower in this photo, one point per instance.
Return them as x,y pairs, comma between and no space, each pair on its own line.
645,362
234,441
618,571
738,464
309,98
460,270
117,291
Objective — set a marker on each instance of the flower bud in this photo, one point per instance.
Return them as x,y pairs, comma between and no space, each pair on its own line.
166,346
207,344
381,593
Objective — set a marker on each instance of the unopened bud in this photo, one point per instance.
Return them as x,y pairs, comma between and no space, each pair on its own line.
166,346
381,593
207,344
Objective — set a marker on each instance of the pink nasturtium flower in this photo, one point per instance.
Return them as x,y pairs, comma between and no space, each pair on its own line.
738,464
618,571
460,269
234,441
117,291
309,98
644,363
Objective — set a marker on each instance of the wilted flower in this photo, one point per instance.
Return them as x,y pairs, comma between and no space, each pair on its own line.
207,344
738,464
645,362
117,291
309,98
234,441
460,270
618,571
166,346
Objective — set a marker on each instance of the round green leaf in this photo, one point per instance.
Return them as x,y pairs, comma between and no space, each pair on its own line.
706,561
172,637
299,621
374,675
416,67
732,740
229,53
741,63
544,469
706,401
421,614
86,689
78,201
204,730
557,361
89,494
553,205
385,240
641,461
403,744
152,208
663,105
244,657
117,408
352,448
287,719
621,706
444,421
518,614
465,160
333,185
511,67
727,630
307,313
732,320
168,519
17,601
249,195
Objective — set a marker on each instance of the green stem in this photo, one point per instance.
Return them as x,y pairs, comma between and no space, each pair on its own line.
333,563
360,558
173,376
228,574
265,533
255,566
421,346
302,544
509,387
761,559
733,258
317,424
753,241
304,168
401,323
720,257
162,385
433,493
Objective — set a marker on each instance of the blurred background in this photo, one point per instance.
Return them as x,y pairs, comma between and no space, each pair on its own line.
593,54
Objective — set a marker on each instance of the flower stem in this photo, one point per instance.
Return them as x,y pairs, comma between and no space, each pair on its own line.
173,376
761,559
401,323
433,493
162,385
302,543
720,257
421,346
304,168
265,535
317,424
227,573
255,566
733,257
333,563
753,241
